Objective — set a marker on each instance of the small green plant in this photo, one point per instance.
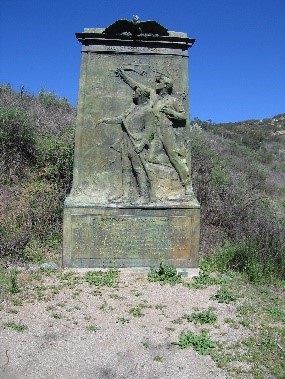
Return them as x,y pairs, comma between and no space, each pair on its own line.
160,307
164,274
137,311
92,328
224,295
12,311
105,307
200,343
276,313
207,316
245,323
245,309
232,323
158,358
206,277
56,315
13,283
122,320
116,296
14,326
100,279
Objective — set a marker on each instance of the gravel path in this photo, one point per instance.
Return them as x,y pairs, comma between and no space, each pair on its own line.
73,330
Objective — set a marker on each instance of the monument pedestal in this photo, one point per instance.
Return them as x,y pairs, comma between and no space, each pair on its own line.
132,202
130,237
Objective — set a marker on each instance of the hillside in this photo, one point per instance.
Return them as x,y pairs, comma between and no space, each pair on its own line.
238,175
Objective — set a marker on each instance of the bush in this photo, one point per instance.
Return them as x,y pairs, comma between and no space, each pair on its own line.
17,142
233,207
50,100
55,160
36,159
164,274
201,343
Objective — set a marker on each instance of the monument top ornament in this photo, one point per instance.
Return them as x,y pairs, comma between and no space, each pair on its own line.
135,31
136,28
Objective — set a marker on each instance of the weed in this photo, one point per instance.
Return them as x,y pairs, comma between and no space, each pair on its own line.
12,310
136,311
14,286
207,316
92,328
224,295
158,358
14,326
206,278
100,279
276,313
116,297
50,308
200,343
96,293
245,323
105,307
164,274
56,315
122,320
70,279
61,304
137,293
232,323
177,321
160,307
169,329
244,309
146,344
17,302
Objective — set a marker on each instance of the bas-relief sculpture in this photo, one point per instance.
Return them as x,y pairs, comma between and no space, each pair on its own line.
132,201
149,140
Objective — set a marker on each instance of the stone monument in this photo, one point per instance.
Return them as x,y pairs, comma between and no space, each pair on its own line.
132,202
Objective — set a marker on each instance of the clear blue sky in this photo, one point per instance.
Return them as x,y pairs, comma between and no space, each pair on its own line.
237,65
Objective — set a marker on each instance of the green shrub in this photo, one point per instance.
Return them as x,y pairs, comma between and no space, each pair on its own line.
233,210
50,100
14,326
164,274
8,282
17,141
207,277
224,295
200,343
206,316
99,278
55,160
244,257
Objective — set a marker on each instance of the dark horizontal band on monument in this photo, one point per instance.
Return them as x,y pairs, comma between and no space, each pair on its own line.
101,49
97,38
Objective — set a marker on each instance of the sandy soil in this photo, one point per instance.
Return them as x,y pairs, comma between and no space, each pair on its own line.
75,330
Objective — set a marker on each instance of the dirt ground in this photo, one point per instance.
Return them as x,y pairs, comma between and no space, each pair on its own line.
59,326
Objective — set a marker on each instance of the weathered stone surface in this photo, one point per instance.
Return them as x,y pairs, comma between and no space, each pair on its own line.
130,237
132,156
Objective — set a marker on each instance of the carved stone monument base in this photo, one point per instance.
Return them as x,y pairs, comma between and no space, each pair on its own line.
130,237
132,202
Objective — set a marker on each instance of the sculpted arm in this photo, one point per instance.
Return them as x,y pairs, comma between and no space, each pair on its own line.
175,111
147,91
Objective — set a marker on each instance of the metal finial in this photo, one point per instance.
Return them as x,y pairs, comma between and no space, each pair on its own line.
135,18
